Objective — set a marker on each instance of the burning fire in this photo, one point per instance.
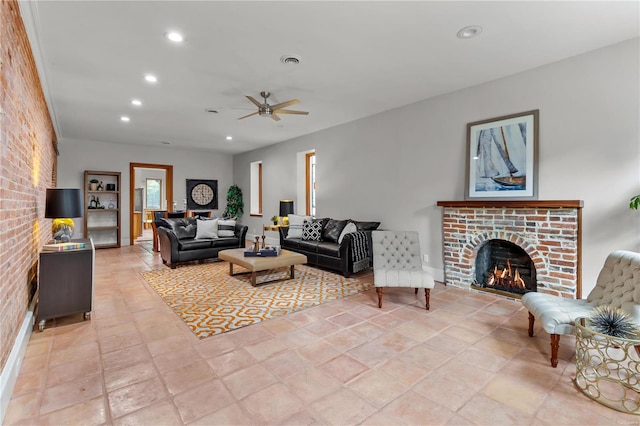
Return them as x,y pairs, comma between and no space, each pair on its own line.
506,278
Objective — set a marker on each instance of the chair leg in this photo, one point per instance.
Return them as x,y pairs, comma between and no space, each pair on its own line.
532,319
379,291
555,343
427,295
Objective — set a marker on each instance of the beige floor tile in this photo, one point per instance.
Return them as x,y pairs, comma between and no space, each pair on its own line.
130,398
415,331
404,372
445,390
233,414
273,404
286,364
515,393
168,344
378,388
160,413
318,352
372,353
266,349
70,393
414,409
344,368
185,377
368,330
482,410
115,379
212,347
69,354
92,412
245,382
176,359
22,408
312,384
125,357
202,400
323,327
345,340
69,371
230,362
343,407
345,320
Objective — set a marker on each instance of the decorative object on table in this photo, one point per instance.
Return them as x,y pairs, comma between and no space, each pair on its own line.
111,187
256,245
286,208
502,157
100,186
613,322
201,194
111,205
275,219
235,202
238,304
93,184
263,238
62,205
263,252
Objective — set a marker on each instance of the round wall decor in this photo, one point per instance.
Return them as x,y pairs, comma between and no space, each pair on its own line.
202,194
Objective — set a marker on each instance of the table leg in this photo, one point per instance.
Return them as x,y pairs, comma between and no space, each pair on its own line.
292,273
253,279
230,268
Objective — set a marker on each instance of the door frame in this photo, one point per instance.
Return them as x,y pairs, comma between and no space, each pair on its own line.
168,174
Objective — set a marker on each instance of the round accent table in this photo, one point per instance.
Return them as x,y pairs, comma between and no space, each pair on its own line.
608,368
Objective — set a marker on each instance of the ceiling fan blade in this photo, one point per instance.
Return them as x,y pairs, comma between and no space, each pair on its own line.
275,117
290,111
256,103
285,104
253,113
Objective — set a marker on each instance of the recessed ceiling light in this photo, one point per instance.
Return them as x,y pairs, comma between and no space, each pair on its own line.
291,59
469,32
125,119
151,78
229,138
211,110
174,36
136,102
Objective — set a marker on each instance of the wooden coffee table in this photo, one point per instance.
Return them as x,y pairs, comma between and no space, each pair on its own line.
256,264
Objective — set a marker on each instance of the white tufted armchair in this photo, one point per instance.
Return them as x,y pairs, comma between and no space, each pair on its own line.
397,263
618,285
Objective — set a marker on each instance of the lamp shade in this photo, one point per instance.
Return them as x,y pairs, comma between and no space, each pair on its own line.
63,203
286,207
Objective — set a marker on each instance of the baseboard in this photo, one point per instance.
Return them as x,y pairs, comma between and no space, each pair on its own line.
11,369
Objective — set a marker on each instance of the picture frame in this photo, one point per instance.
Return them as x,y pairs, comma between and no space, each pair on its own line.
502,157
202,194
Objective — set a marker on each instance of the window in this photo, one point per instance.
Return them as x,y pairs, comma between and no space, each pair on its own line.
311,183
256,188
154,190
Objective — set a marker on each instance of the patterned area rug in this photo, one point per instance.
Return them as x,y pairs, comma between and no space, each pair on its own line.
210,301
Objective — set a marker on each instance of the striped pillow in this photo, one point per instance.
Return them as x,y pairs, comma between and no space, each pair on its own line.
226,228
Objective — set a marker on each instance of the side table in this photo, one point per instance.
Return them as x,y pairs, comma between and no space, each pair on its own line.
65,283
608,368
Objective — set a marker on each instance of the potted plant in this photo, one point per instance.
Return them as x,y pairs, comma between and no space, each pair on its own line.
235,203
93,184
634,203
274,219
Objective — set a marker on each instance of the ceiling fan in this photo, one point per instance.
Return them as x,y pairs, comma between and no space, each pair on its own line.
266,110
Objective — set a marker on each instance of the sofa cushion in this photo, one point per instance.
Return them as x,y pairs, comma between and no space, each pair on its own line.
332,230
310,246
193,244
366,226
184,228
226,227
295,225
225,242
348,229
329,249
292,243
312,231
206,229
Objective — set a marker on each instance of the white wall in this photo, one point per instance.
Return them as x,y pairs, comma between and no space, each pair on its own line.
395,166
78,156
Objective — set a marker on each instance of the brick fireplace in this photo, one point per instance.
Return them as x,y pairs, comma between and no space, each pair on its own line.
548,233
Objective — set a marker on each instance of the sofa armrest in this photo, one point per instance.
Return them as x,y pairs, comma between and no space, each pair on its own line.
168,245
241,233
283,231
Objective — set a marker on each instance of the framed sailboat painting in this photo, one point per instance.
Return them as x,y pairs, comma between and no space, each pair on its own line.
502,157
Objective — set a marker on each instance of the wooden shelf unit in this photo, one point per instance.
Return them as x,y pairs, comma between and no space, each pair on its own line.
103,225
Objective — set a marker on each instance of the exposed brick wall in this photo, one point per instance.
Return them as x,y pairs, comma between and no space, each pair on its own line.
550,236
26,163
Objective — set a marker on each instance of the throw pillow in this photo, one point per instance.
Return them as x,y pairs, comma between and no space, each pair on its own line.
226,227
295,225
333,229
348,229
206,229
366,226
312,231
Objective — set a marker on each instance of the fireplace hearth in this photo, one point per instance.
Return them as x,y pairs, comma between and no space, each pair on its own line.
513,247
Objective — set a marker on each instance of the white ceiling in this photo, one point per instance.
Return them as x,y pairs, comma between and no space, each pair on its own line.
358,59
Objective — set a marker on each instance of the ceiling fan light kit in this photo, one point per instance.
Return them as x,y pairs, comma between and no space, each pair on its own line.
272,111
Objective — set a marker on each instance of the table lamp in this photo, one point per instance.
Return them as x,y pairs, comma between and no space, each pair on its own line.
286,208
62,205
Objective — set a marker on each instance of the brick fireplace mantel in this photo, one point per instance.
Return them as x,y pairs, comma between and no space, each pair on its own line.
549,231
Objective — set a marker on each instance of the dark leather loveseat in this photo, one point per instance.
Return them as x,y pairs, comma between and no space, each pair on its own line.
350,256
178,241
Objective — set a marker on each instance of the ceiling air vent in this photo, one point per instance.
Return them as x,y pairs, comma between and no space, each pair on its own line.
290,59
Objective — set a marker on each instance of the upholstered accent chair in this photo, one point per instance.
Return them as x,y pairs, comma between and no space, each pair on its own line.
618,285
397,262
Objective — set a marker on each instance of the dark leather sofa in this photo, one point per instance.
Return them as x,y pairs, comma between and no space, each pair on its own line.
178,242
328,253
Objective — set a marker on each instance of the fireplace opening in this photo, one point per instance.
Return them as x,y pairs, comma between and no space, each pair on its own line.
504,267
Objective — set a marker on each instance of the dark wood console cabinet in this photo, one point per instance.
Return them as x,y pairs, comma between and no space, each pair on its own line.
65,283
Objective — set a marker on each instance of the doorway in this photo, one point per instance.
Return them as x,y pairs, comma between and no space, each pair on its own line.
150,188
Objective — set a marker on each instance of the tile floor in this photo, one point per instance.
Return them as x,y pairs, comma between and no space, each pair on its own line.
466,361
